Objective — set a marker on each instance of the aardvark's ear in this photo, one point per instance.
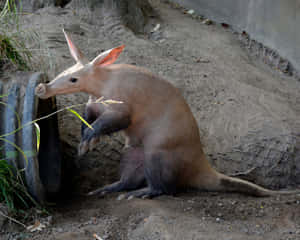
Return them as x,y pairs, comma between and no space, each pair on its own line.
108,57
75,52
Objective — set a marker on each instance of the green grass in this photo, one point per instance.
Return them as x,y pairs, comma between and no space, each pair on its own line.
17,56
13,191
13,52
12,48
9,52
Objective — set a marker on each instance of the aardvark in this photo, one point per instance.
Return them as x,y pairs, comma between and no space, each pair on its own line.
163,152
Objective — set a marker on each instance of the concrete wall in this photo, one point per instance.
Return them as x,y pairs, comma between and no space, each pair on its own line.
274,23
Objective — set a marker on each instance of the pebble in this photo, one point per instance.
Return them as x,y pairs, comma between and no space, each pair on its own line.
191,11
207,22
106,236
156,28
121,197
187,209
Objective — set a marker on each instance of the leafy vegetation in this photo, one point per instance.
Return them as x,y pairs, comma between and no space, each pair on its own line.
13,52
13,192
12,47
9,53
12,189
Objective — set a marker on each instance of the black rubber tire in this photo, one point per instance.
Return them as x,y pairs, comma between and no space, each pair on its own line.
43,170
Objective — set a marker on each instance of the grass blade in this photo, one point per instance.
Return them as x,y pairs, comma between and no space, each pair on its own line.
16,114
38,135
81,118
16,147
4,95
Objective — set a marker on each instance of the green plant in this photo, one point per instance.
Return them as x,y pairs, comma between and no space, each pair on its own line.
12,47
13,192
12,189
13,51
8,52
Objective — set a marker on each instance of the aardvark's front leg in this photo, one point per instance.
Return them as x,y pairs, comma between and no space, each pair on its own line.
93,110
109,122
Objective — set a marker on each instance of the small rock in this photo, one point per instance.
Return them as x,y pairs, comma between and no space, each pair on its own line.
207,22
218,219
187,209
199,60
106,236
131,197
155,28
225,25
48,220
191,11
94,220
121,197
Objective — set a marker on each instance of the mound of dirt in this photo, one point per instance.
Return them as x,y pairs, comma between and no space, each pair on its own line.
248,115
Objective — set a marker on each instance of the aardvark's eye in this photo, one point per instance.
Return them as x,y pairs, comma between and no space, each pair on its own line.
73,80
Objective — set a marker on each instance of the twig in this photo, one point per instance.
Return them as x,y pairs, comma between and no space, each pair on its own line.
245,173
12,219
109,101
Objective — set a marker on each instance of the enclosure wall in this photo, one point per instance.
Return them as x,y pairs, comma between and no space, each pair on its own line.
274,23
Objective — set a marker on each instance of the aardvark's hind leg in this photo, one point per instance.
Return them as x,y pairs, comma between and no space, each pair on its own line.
161,174
132,173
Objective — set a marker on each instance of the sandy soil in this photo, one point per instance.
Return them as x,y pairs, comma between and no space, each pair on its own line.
186,216
217,76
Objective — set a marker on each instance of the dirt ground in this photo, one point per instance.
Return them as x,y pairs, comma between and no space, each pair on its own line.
207,216
216,76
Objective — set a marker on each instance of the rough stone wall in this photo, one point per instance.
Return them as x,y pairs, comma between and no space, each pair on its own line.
274,23
33,5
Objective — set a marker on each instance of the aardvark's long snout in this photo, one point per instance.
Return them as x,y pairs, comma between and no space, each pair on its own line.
41,91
